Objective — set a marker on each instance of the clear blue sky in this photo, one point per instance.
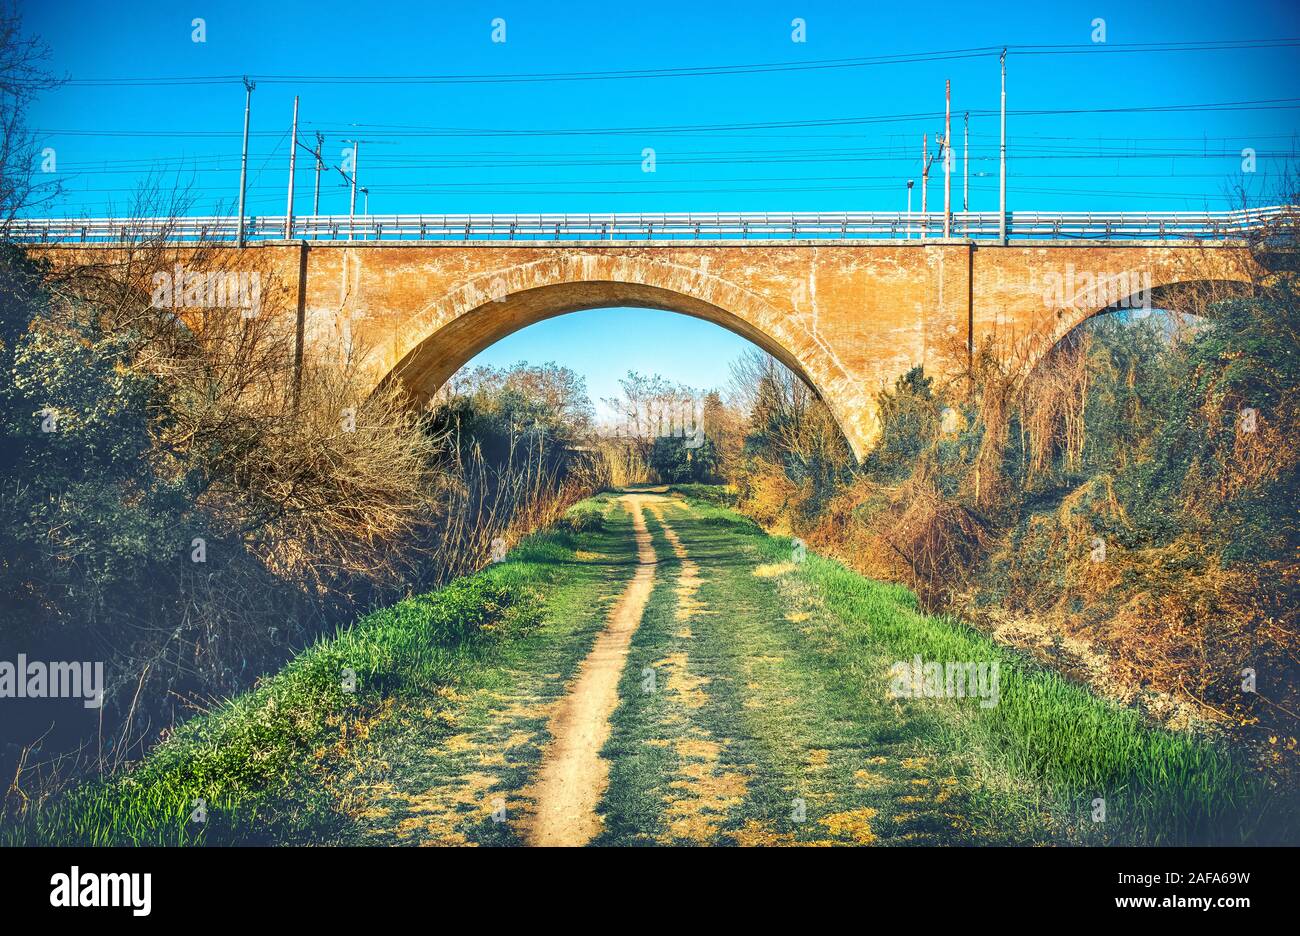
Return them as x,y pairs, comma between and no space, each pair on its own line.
508,146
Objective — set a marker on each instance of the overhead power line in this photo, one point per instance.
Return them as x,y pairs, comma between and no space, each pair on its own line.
704,71
400,130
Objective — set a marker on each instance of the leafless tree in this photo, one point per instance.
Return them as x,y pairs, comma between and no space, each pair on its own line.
23,76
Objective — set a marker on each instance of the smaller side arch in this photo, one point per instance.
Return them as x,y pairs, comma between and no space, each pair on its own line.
1190,296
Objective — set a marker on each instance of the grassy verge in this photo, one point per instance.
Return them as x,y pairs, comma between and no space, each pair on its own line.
1084,753
719,495
1047,739
787,731
463,775
755,708
259,766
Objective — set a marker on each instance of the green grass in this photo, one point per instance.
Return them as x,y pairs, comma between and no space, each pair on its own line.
717,494
437,779
1160,787
584,517
250,758
773,691
1046,750
640,773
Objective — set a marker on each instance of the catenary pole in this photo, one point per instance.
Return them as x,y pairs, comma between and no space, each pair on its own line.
243,159
1002,157
293,161
945,153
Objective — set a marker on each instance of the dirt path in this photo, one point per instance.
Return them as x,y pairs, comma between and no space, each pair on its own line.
770,724
573,776
724,692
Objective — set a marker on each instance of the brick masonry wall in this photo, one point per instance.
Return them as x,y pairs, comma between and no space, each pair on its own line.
849,317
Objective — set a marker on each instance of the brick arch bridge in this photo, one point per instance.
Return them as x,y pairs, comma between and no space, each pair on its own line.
849,316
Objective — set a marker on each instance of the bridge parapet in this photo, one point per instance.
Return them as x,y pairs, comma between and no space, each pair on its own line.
676,227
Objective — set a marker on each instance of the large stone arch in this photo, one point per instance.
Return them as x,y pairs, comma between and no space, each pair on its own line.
452,328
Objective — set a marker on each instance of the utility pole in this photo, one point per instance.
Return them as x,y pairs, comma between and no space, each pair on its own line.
926,162
925,179
293,158
352,202
909,209
315,201
965,162
243,160
1002,157
945,153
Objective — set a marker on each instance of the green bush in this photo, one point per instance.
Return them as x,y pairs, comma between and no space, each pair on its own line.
583,519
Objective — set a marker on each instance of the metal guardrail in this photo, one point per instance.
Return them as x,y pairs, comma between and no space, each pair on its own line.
668,227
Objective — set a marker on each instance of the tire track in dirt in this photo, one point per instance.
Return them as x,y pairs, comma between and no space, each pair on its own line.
573,776
706,789
689,580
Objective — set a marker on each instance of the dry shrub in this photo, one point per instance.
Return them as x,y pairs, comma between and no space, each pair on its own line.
1051,402
937,538
1177,620
1082,512
483,509
332,488
852,526
771,497
627,460
1258,457
995,390
911,533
